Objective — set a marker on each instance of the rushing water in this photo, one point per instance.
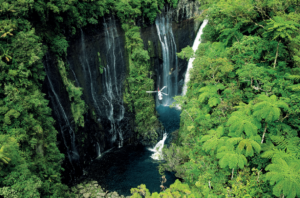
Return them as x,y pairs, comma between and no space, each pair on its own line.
197,42
113,85
157,149
168,75
124,168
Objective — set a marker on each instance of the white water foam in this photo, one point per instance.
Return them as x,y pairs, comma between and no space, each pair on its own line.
157,149
190,63
98,150
169,74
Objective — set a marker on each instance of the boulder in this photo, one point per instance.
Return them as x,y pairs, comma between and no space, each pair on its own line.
79,186
101,194
86,195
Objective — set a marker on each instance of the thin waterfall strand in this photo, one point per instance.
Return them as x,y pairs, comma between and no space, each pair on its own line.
85,64
115,109
190,63
72,153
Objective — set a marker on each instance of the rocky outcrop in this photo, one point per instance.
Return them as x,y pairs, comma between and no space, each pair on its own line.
93,190
187,9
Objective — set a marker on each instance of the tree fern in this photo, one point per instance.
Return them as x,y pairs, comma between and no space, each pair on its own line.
240,122
245,108
285,177
231,159
248,147
212,141
284,147
269,108
279,27
210,93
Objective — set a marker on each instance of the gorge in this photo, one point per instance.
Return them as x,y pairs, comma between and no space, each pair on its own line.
81,114
108,122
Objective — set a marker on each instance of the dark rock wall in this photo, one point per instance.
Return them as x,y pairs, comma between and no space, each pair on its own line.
97,125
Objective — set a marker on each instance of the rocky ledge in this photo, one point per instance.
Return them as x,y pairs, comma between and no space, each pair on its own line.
93,190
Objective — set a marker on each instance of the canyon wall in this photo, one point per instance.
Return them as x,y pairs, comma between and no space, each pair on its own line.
108,123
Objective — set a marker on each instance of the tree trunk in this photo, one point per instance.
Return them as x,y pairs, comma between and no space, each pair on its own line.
263,137
232,173
276,55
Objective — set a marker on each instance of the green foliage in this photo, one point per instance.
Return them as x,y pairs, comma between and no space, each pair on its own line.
29,155
24,113
269,108
175,157
59,45
186,53
278,27
176,190
241,109
231,159
100,65
77,104
138,82
239,122
284,176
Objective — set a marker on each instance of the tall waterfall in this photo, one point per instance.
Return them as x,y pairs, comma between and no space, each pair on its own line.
63,121
168,75
197,42
113,83
108,104
89,75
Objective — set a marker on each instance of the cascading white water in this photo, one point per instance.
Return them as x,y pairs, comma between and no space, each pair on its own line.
111,99
112,84
85,64
72,153
98,150
157,149
190,63
168,75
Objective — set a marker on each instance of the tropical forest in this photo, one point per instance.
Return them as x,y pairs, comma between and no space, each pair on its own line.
149,98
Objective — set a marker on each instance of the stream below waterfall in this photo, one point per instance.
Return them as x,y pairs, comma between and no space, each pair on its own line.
124,168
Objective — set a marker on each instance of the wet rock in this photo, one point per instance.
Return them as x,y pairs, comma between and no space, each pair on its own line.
101,194
86,195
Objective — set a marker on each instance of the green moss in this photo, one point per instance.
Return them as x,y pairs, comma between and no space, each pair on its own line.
77,105
151,49
159,50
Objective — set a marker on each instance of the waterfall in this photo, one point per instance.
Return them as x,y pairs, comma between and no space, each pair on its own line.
63,121
86,66
112,81
168,75
98,151
157,149
190,63
110,103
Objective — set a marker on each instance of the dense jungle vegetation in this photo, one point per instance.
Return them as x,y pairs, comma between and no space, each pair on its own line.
239,131
239,126
30,160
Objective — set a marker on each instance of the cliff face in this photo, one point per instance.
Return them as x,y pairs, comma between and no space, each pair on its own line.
108,123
